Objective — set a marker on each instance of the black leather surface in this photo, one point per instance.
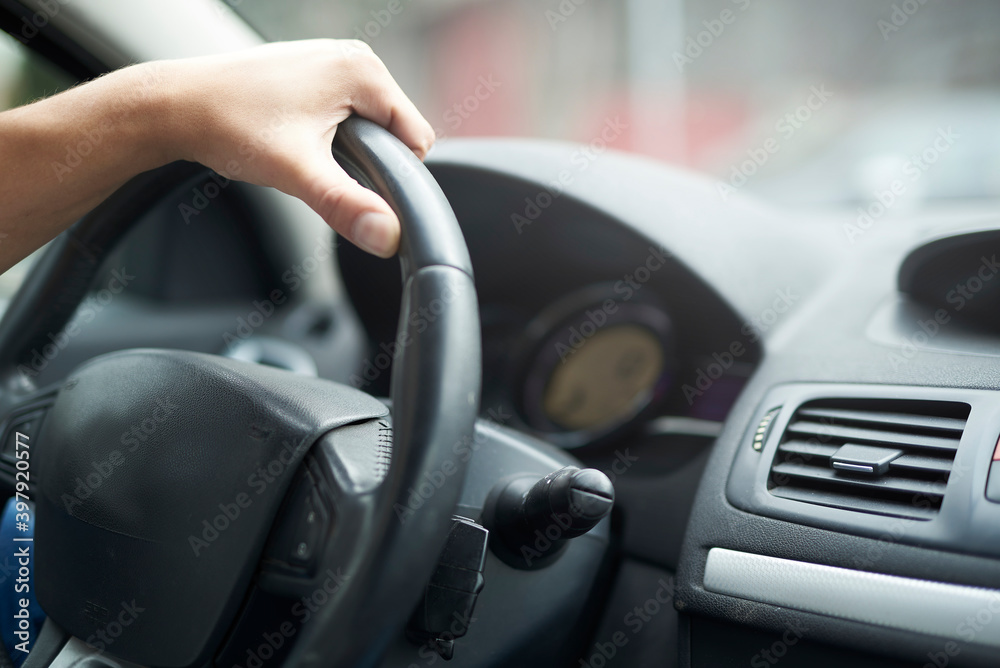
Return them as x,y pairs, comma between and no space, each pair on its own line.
129,542
144,450
384,164
435,390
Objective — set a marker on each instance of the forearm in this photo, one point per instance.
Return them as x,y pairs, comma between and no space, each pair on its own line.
62,156
266,116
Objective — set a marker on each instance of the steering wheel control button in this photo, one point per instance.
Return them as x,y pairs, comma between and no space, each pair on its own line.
993,482
864,458
532,520
445,611
302,527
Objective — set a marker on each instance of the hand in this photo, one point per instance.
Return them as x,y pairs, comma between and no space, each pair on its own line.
268,116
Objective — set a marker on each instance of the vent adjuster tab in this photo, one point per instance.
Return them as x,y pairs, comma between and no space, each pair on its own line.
864,458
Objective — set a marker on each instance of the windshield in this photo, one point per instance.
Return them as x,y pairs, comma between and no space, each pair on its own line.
808,102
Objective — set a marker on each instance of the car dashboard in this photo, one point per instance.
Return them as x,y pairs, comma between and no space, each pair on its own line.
799,410
800,422
834,390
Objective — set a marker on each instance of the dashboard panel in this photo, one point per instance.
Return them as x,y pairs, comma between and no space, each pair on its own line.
590,330
753,300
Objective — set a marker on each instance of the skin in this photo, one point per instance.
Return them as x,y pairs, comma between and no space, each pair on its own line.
265,115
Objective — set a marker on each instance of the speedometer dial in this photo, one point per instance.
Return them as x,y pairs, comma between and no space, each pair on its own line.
600,383
592,365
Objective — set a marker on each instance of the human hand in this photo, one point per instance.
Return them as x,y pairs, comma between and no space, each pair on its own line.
268,116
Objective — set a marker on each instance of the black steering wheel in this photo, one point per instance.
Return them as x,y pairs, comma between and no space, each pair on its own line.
271,453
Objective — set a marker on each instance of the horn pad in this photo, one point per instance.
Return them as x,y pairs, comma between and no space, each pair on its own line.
159,475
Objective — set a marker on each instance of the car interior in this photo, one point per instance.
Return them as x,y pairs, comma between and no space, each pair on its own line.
594,414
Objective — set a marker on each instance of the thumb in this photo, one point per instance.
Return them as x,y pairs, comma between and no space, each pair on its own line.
353,211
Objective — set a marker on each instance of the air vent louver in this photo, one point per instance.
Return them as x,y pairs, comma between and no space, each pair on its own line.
919,439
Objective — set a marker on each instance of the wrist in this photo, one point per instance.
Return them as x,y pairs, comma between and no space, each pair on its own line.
152,94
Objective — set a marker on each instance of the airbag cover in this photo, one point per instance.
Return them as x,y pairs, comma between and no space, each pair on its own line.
160,473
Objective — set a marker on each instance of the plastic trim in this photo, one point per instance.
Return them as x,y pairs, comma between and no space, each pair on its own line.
907,604
966,521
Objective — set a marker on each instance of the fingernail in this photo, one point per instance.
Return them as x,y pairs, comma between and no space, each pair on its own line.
376,233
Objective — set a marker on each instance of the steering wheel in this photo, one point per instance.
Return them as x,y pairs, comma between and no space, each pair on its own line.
168,482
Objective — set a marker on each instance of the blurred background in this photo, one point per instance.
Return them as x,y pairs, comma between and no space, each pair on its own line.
807,103
706,83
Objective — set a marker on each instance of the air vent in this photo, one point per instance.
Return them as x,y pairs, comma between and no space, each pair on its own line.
887,457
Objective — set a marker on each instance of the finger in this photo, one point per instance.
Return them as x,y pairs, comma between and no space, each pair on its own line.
353,211
380,99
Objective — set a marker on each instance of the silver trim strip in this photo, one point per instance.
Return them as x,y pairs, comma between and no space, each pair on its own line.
956,612
844,466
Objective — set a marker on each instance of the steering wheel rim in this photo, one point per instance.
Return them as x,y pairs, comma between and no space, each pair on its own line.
435,378
433,258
